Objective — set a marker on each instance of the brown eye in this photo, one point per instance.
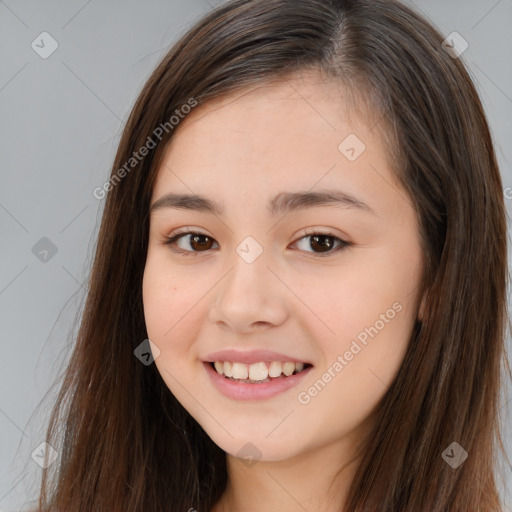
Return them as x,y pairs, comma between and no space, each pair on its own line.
323,243
197,242
200,242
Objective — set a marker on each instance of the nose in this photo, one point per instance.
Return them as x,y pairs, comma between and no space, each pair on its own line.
250,297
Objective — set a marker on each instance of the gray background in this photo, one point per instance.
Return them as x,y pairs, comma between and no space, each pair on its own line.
61,120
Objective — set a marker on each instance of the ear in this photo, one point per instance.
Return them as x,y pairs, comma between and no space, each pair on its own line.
421,310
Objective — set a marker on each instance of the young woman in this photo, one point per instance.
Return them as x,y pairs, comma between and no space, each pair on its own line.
298,299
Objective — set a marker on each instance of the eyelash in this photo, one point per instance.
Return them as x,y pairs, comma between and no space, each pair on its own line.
171,241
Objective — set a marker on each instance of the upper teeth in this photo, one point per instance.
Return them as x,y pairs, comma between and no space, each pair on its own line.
257,371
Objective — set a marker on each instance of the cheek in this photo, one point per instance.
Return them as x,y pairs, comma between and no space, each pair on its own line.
360,365
367,313
351,299
370,287
170,325
161,310
172,308
157,297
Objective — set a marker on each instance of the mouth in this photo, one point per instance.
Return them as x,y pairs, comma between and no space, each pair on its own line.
258,381
257,373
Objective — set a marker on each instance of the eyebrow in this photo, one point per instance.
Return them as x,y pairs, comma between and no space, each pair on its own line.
282,203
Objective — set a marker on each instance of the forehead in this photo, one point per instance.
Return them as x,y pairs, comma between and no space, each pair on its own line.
283,135
321,103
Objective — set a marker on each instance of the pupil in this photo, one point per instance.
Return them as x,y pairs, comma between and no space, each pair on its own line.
195,239
327,245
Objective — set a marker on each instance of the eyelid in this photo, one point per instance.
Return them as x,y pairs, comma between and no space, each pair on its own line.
187,230
305,232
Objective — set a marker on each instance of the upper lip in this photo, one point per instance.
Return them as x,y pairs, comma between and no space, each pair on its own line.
251,356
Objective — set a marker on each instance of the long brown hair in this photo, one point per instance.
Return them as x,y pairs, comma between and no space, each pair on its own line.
126,444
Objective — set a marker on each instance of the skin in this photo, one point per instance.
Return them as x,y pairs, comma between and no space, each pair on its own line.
294,299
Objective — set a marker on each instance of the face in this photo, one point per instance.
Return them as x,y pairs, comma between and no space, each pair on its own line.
329,283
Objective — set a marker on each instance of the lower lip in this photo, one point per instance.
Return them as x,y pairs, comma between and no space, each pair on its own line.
247,391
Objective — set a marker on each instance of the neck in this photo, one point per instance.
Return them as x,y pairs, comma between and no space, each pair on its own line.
315,480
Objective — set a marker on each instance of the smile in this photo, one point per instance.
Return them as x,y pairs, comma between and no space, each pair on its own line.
257,372
256,381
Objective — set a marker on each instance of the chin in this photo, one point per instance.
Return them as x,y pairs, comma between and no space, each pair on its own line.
257,448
